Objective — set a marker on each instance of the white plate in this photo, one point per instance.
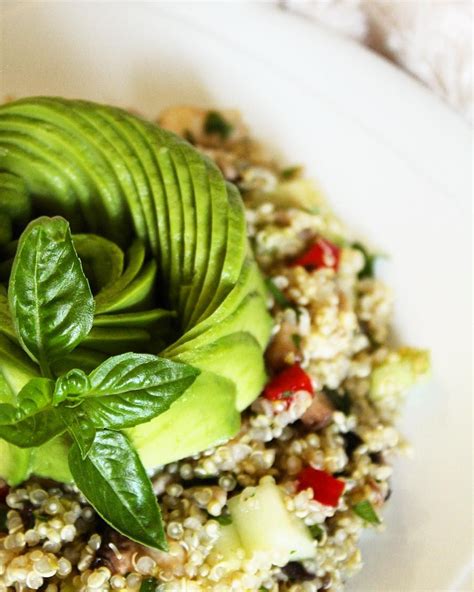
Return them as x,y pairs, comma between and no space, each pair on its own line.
394,161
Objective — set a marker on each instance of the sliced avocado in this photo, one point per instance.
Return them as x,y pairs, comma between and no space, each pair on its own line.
235,253
137,295
16,367
14,463
247,317
111,172
50,460
239,358
14,198
203,417
102,260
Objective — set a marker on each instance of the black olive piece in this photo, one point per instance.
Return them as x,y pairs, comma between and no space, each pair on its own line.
296,572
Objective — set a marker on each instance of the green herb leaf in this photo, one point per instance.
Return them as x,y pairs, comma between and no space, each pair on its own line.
115,482
316,532
277,294
224,519
369,262
31,422
296,339
342,402
80,427
149,585
291,172
130,389
49,295
365,510
34,397
216,124
70,385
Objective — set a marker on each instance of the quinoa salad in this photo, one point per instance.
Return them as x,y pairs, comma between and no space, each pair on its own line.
281,504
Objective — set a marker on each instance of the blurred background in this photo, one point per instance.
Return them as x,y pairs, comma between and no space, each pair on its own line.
430,39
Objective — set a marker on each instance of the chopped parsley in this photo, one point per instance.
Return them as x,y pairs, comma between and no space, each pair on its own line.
224,519
296,338
263,589
316,532
369,262
291,172
365,510
216,124
149,585
341,402
278,295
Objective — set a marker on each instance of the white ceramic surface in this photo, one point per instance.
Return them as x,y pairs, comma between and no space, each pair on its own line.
393,160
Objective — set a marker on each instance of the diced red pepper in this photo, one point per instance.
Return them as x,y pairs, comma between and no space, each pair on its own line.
288,381
321,254
326,489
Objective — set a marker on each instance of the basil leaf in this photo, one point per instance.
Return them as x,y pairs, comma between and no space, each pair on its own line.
49,295
80,427
130,389
33,421
115,482
75,382
365,510
34,397
35,430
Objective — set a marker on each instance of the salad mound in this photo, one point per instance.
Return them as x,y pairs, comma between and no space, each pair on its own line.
196,391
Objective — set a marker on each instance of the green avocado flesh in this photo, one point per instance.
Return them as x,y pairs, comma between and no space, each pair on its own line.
162,237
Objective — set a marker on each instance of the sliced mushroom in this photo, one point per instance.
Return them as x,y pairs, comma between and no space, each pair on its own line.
319,413
283,348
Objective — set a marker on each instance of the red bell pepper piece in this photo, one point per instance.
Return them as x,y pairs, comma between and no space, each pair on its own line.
288,381
326,489
321,254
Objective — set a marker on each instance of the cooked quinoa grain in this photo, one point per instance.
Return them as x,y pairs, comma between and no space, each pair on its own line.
334,323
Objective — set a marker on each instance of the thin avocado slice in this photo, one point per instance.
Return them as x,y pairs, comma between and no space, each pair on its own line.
175,221
82,357
189,223
235,254
16,367
191,424
72,143
239,358
102,260
51,460
247,317
135,257
126,162
14,198
137,294
139,319
117,340
14,463
44,180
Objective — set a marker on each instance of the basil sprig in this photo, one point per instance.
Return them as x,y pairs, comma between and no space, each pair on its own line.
49,295
52,312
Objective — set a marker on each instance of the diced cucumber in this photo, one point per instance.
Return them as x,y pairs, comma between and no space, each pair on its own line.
228,549
400,371
266,527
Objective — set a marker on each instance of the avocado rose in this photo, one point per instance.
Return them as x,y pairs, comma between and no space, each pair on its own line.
162,239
